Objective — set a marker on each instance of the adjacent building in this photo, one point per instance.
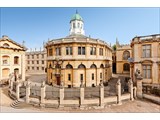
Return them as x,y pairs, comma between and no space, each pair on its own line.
12,58
123,53
36,62
77,58
146,57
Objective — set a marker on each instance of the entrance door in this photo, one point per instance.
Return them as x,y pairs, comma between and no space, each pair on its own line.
58,81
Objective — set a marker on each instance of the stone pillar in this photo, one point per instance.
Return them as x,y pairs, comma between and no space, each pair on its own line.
43,94
11,84
81,97
101,96
134,92
17,90
27,92
75,78
130,88
118,85
61,95
23,67
139,88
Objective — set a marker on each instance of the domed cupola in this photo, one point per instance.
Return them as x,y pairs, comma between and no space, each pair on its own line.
76,25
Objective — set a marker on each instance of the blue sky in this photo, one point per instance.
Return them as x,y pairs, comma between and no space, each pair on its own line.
35,25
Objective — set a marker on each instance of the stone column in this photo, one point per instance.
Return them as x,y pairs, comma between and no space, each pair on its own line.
43,94
139,88
134,92
17,90
61,92
81,97
101,94
11,84
27,92
75,78
23,67
118,85
130,88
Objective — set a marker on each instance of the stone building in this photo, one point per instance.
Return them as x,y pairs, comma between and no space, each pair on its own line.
123,53
146,56
12,58
77,58
36,62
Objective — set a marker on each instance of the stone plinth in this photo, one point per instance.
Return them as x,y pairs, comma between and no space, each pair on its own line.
139,88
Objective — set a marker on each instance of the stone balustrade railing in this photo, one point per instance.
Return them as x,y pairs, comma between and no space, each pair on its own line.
100,101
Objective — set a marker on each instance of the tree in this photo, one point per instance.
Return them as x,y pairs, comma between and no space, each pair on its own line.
114,47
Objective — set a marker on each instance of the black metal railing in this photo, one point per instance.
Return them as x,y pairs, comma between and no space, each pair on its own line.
52,93
35,91
92,92
151,89
71,93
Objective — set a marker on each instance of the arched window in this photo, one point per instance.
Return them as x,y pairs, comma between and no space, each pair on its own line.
74,25
93,66
126,55
81,66
16,70
126,67
78,25
5,45
69,66
16,60
101,66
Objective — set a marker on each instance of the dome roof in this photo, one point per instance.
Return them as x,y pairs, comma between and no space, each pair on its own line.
76,17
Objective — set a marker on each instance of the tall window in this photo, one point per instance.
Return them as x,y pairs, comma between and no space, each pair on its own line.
28,62
68,50
100,75
28,56
28,68
92,76
37,68
42,55
32,56
32,68
37,62
78,25
93,51
81,51
69,77
74,25
81,76
42,68
32,62
5,60
147,71
126,67
126,55
16,59
146,51
37,56
100,51
58,51
50,52
42,61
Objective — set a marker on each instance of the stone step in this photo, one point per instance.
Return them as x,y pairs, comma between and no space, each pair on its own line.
15,104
